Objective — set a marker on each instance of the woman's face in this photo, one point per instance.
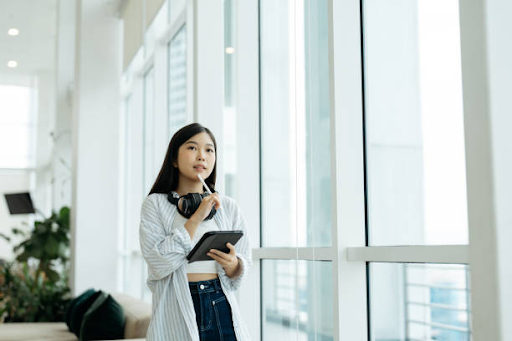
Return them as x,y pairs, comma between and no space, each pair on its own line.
196,156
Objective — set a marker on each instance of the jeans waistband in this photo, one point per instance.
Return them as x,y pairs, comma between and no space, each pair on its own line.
210,285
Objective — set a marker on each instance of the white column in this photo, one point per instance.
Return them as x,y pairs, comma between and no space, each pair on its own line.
209,70
486,70
248,185
499,68
95,147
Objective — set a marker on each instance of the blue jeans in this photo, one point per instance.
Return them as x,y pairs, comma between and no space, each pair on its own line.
213,312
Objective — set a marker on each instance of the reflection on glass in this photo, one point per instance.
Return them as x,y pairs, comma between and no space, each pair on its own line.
296,186
297,300
414,123
177,81
419,302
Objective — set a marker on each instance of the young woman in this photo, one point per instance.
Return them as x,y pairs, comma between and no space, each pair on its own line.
193,301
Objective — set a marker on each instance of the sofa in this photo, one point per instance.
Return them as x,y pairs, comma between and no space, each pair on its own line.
137,313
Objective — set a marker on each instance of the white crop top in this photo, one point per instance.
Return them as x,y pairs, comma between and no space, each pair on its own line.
205,266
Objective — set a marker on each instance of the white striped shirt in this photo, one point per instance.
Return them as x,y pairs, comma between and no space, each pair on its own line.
165,249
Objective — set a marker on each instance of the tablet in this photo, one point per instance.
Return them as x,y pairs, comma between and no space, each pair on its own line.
213,240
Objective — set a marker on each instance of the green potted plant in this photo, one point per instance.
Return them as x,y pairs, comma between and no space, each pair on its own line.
34,287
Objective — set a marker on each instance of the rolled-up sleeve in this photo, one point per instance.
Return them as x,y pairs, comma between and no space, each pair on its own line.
164,253
243,251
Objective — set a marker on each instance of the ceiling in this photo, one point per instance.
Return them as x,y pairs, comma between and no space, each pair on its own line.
34,47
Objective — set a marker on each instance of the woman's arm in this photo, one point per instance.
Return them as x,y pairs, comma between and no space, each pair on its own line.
163,253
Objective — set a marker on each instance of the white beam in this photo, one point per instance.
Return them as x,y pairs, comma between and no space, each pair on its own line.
301,253
456,254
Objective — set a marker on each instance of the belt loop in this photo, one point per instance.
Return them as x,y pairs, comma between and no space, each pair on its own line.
217,284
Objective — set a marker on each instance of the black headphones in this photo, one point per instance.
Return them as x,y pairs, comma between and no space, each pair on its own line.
190,203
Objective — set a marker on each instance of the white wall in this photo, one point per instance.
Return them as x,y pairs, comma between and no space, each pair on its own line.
96,127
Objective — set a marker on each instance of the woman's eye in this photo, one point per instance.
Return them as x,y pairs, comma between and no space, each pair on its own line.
191,147
210,150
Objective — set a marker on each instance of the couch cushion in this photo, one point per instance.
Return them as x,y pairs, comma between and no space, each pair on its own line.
72,303
138,315
41,331
104,320
79,310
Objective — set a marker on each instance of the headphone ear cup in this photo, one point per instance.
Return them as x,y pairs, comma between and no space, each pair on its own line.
196,198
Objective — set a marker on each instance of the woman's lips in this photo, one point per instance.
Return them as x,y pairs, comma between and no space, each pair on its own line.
199,169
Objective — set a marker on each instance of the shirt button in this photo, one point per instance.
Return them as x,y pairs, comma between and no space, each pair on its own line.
201,286
213,302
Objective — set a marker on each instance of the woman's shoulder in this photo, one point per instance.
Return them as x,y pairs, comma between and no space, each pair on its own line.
153,200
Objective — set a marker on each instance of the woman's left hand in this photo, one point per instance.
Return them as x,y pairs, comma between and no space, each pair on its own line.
229,261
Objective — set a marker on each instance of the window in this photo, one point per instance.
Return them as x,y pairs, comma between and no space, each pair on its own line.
17,127
419,302
177,81
414,128
295,141
154,92
297,271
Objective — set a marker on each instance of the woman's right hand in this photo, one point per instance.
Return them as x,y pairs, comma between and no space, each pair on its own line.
205,207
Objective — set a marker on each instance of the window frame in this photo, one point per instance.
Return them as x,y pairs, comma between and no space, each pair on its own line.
350,252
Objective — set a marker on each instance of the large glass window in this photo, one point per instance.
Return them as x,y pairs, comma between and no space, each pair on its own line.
177,81
414,123
295,124
297,300
415,166
296,200
17,127
419,302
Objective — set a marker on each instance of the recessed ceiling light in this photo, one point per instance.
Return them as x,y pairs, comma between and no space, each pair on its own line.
12,63
230,50
13,32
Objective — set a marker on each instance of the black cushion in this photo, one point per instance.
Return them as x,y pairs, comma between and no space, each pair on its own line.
71,305
104,320
78,312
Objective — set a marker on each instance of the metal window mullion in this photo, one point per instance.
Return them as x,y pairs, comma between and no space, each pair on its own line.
301,253
451,254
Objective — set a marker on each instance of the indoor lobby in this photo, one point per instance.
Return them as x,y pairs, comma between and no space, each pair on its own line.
363,148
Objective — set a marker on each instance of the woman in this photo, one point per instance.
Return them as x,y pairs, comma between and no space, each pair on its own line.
193,301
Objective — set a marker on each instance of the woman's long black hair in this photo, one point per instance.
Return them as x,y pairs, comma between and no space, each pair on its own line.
168,177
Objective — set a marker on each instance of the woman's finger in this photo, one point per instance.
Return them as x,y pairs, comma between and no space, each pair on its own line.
231,248
221,254
220,260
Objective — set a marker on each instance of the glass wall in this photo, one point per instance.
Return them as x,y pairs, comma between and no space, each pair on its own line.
295,127
177,96
415,166
414,129
297,300
154,89
295,169
419,302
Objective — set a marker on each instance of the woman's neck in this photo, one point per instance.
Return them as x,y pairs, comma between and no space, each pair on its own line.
185,187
